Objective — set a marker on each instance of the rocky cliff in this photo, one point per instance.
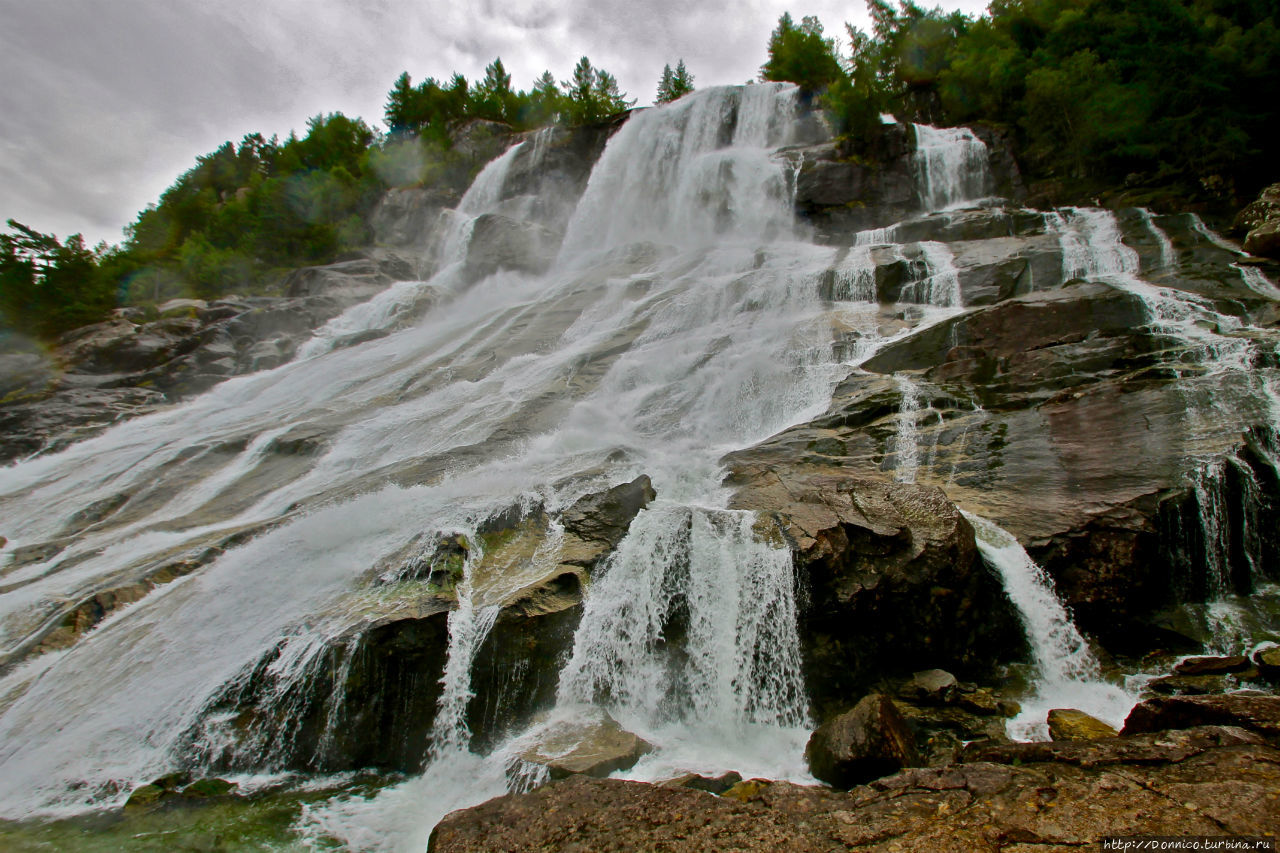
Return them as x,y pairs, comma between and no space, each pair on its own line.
662,447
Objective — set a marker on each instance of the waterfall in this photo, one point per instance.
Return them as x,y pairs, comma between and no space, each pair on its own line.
906,438
699,579
1093,249
1168,257
669,175
1066,672
952,166
938,283
453,236
855,277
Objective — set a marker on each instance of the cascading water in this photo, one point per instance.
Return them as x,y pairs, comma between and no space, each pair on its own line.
906,439
1066,672
689,638
384,309
952,166
682,320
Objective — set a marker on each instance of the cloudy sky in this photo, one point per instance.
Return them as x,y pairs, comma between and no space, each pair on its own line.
104,103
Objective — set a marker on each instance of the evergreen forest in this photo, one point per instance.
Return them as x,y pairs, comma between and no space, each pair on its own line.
1173,100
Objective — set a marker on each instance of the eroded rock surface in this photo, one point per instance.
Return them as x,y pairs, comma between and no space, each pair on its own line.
1208,781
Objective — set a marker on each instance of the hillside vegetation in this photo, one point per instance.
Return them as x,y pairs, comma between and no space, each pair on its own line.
1172,101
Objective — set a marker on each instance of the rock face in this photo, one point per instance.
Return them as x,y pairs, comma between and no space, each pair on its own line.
1207,781
892,575
866,743
135,362
843,187
370,698
1016,402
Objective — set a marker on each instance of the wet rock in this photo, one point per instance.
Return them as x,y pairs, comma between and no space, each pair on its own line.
208,789
931,685
893,578
1041,796
1268,662
868,742
594,745
130,365
841,193
1070,724
1260,714
407,217
596,523
710,784
146,798
1212,665
502,243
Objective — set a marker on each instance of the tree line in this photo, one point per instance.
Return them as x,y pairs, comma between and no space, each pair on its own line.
248,210
1177,94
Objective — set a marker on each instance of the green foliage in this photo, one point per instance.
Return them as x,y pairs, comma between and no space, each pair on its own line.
430,111
674,84
48,287
1170,90
799,54
245,210
592,95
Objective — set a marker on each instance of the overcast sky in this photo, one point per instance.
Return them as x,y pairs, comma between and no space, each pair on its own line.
103,103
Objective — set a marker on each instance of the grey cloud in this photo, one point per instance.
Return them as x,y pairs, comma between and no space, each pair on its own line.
106,103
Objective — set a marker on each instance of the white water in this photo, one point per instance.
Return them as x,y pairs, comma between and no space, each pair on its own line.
939,285
453,236
1092,249
906,439
681,321
1168,256
1067,673
952,166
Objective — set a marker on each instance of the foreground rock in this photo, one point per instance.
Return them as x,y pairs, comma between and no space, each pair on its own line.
593,745
893,576
1208,781
1256,713
866,743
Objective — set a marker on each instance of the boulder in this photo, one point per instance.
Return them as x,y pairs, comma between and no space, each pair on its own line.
931,685
1212,665
1070,724
893,579
1268,662
868,742
596,523
1259,222
591,744
1260,714
711,784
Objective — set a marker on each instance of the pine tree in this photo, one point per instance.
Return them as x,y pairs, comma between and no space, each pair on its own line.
593,94
664,87
399,101
674,84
